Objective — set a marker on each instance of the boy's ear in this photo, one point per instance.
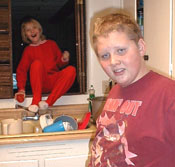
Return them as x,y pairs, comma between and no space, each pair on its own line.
141,46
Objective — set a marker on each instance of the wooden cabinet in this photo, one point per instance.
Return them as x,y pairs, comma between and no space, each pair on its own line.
67,153
6,86
158,33
72,161
28,163
173,39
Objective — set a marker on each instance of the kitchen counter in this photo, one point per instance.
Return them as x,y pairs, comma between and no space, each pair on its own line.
43,137
76,111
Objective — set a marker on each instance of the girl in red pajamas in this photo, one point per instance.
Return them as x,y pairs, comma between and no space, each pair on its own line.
43,58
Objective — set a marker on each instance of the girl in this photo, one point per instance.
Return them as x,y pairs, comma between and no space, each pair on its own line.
42,58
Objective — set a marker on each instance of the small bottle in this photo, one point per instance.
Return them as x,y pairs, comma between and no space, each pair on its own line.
91,92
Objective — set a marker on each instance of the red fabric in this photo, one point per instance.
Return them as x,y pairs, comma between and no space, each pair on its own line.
83,124
20,98
44,62
141,119
47,53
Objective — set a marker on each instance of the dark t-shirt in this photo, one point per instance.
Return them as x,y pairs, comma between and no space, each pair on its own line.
137,125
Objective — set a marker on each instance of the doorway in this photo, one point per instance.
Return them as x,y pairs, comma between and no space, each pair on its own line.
63,22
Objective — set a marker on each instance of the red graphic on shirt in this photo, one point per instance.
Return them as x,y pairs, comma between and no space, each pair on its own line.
128,107
113,104
110,147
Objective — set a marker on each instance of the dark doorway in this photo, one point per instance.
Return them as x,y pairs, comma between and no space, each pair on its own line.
59,19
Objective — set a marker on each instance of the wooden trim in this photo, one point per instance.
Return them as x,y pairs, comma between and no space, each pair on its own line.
55,137
6,82
83,30
10,43
77,28
80,43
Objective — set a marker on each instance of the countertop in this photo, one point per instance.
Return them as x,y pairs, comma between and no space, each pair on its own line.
77,111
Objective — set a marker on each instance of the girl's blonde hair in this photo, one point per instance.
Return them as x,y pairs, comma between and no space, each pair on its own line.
119,22
36,23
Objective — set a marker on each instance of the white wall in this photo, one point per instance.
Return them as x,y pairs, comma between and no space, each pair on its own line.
95,74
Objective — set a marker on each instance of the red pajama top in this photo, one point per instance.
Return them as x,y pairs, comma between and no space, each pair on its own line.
137,125
48,53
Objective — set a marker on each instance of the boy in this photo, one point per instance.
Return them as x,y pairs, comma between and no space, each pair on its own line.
136,127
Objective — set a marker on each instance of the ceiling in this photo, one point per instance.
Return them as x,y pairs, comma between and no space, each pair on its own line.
45,9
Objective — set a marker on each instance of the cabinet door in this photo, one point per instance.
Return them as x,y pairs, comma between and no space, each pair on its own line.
73,161
157,35
173,38
131,7
27,163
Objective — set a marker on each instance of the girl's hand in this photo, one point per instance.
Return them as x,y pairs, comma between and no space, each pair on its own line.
20,96
65,57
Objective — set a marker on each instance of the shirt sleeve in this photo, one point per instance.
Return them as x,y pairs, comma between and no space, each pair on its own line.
170,124
59,54
169,108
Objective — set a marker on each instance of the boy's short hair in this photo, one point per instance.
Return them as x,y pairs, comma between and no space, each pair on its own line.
35,22
119,22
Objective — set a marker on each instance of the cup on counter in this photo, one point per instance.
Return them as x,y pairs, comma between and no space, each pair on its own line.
55,127
11,126
37,129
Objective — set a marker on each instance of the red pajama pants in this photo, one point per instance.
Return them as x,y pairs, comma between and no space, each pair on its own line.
56,84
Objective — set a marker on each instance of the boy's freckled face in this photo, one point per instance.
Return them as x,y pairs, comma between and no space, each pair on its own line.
33,33
120,58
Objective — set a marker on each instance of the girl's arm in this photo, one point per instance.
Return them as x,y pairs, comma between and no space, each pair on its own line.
62,58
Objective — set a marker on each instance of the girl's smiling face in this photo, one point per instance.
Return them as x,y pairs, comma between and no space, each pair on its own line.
33,33
121,58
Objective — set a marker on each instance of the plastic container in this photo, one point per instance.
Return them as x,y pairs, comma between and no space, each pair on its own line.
55,127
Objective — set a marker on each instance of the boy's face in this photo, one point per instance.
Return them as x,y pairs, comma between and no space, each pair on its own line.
33,33
121,58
